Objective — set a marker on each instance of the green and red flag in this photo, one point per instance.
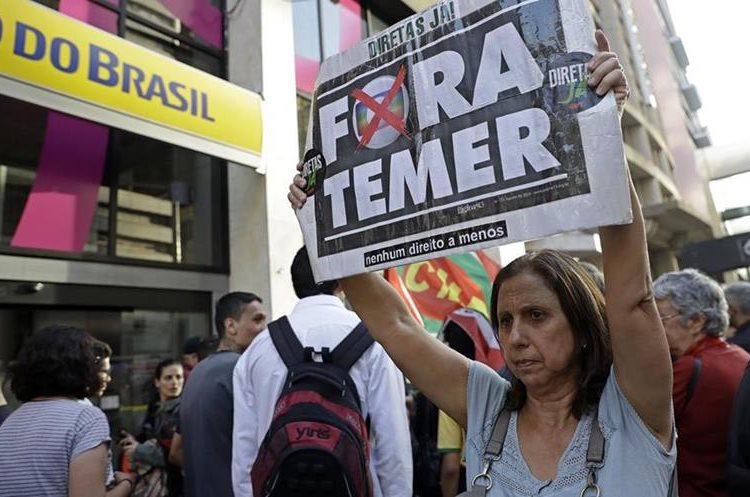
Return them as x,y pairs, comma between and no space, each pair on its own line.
433,289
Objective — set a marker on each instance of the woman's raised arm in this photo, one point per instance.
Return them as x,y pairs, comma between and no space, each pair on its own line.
438,371
641,355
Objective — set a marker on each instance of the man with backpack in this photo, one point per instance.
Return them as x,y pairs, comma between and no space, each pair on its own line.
319,409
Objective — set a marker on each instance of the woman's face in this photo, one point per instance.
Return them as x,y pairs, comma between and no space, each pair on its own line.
105,371
538,343
169,384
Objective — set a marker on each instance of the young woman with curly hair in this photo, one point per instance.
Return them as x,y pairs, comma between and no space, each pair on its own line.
54,444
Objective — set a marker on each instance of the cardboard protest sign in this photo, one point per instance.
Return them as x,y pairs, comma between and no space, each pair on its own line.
465,126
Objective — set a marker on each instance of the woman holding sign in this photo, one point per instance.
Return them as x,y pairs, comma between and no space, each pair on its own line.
589,407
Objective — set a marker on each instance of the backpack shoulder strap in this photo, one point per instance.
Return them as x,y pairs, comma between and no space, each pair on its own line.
493,449
672,490
595,449
286,342
499,431
697,366
351,348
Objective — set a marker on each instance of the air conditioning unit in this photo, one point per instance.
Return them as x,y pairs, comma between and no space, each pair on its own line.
700,136
679,51
156,13
693,99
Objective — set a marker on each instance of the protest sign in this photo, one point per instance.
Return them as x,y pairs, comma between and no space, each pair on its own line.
465,126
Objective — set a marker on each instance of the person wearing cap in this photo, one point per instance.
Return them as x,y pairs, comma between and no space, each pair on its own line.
190,354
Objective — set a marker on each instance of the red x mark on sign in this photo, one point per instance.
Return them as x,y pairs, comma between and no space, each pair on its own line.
381,109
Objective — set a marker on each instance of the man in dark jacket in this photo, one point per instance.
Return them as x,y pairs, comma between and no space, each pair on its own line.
739,441
206,416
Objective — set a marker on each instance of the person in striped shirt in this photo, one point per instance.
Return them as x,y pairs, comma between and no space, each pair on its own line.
54,445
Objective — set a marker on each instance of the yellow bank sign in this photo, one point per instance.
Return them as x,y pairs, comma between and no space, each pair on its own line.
58,62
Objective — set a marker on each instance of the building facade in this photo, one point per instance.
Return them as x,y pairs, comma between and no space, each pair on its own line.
661,131
131,225
131,221
116,219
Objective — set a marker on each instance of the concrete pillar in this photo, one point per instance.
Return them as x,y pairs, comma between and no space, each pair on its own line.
641,141
280,149
248,234
649,191
248,241
663,261
263,232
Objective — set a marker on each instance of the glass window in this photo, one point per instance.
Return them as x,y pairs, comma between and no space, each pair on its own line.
167,203
342,25
307,50
306,29
165,45
21,140
35,157
200,21
191,31
323,28
139,339
113,194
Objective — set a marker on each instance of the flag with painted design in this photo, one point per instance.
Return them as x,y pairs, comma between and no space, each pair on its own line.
435,288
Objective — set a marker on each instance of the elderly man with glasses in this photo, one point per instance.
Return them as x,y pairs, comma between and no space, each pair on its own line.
707,372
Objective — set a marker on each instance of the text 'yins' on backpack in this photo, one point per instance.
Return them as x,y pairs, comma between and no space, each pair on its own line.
317,445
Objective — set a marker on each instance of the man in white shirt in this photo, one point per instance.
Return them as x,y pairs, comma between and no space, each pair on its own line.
320,320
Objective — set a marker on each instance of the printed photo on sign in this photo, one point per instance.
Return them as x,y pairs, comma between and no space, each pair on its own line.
435,144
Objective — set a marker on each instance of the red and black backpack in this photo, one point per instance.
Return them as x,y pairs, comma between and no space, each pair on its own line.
317,445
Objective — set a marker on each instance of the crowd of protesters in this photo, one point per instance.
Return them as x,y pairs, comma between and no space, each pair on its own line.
60,367
609,384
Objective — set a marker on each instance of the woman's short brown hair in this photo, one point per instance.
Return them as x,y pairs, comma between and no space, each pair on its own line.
583,305
56,361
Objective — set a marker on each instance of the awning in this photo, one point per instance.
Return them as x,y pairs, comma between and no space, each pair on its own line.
717,256
55,61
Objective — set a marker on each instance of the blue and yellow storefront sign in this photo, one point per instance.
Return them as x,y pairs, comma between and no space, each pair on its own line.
58,62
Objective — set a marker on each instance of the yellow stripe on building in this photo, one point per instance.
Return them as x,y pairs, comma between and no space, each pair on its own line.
48,51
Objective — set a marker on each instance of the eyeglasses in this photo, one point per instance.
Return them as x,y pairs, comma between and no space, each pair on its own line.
667,317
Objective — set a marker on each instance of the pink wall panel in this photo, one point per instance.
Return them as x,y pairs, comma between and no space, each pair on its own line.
61,206
63,199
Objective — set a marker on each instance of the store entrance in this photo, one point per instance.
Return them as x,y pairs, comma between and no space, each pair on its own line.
142,326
